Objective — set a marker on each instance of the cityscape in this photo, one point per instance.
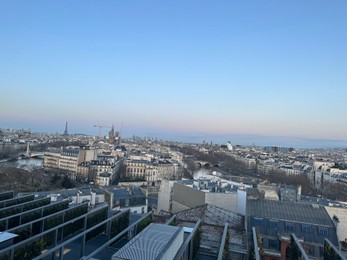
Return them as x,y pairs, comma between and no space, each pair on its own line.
211,201
173,130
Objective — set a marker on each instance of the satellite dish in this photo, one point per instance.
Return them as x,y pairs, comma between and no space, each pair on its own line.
214,173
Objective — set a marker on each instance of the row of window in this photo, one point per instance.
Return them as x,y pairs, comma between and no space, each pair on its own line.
289,227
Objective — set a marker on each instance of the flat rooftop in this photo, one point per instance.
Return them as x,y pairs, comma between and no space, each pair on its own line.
4,236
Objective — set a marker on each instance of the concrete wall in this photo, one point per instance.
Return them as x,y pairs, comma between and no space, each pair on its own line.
226,201
188,196
164,196
177,207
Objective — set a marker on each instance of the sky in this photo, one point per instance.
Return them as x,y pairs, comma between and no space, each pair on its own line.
176,68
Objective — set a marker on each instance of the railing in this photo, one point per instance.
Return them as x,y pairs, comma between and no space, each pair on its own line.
186,250
222,244
255,243
114,239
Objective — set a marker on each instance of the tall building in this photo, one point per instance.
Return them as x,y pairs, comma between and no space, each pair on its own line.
65,132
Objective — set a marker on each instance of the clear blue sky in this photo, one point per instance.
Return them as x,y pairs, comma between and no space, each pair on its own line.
176,67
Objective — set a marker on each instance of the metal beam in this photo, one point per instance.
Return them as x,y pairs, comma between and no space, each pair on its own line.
45,217
170,220
188,242
304,256
342,257
114,239
255,243
222,244
4,202
33,238
27,212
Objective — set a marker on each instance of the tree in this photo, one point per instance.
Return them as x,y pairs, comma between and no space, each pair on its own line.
67,183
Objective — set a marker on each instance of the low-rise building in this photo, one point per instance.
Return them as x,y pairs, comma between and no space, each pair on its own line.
151,171
131,198
275,221
175,196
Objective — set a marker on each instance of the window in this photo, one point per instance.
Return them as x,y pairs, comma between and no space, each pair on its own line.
257,221
323,231
126,202
308,248
289,227
274,244
305,228
273,224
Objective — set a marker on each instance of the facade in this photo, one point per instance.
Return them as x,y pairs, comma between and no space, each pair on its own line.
82,166
68,159
317,173
104,179
151,171
276,220
104,173
52,158
326,171
175,196
265,166
127,198
290,193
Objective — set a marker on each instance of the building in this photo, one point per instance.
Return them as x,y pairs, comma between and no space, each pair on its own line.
318,170
265,166
275,221
102,172
290,193
131,198
156,241
175,196
151,171
68,160
65,159
278,149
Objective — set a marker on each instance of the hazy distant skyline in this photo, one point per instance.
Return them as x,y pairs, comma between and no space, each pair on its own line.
177,68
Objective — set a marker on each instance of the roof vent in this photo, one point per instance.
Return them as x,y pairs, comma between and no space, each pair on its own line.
315,206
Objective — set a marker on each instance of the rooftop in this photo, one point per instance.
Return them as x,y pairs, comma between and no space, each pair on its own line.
291,211
120,193
150,243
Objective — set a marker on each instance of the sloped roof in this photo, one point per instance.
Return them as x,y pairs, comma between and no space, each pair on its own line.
290,211
211,215
120,193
